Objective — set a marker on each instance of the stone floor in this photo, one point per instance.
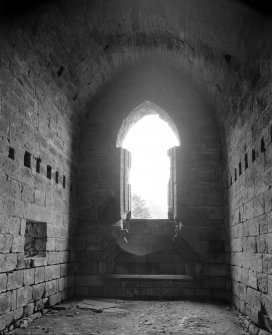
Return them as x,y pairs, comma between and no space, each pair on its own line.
139,317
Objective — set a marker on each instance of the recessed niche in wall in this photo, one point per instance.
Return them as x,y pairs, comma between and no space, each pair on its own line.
64,181
49,171
253,154
262,145
57,177
38,165
27,159
11,153
246,161
35,239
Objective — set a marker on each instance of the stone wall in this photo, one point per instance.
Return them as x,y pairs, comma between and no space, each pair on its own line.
56,63
35,175
249,184
199,173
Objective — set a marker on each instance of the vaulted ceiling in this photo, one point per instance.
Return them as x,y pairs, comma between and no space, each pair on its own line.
83,44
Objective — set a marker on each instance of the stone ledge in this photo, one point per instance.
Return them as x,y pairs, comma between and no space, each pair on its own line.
151,277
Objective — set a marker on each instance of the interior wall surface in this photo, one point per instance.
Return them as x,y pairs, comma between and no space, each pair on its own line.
249,198
36,213
56,63
199,175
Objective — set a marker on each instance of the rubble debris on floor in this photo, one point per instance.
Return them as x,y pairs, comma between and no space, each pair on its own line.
129,317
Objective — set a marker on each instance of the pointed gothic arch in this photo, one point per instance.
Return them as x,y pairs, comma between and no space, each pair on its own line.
144,109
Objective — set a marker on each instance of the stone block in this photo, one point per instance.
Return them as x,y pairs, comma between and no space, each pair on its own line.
61,284
50,288
38,304
18,313
38,261
269,285
263,224
15,280
268,201
254,298
24,295
253,227
18,244
5,302
269,243
39,197
29,309
249,244
267,264
252,279
39,275
266,301
252,313
262,280
54,299
253,261
56,272
3,282
8,262
5,320
29,275
261,244
258,204
38,291
5,243
53,258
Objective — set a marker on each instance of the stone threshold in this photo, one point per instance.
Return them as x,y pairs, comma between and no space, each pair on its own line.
151,277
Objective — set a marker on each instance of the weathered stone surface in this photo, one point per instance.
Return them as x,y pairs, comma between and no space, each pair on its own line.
8,262
24,295
39,275
5,320
3,282
29,277
54,299
18,244
5,302
5,243
38,291
48,112
50,288
15,280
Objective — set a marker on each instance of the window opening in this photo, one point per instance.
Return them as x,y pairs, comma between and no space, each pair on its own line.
149,141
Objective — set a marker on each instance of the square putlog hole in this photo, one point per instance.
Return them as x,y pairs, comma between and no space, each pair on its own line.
35,239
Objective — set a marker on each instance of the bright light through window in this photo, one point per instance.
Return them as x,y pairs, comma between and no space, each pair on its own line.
148,141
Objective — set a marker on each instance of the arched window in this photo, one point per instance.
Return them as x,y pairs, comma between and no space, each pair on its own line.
148,139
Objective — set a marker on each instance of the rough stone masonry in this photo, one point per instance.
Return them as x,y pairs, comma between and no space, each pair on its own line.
70,74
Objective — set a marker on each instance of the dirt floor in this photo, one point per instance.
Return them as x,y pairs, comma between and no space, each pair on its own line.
138,317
